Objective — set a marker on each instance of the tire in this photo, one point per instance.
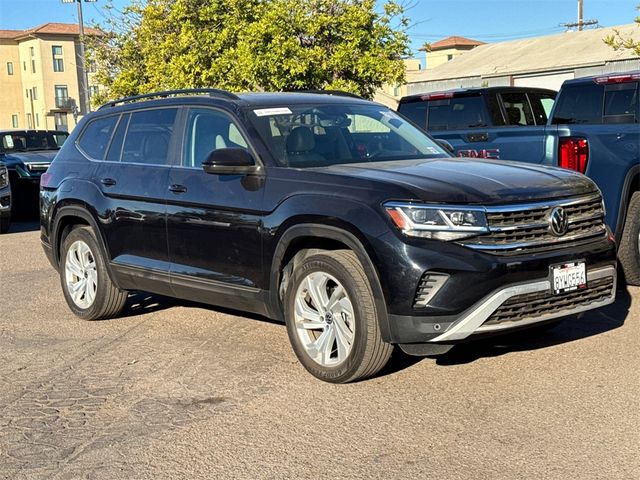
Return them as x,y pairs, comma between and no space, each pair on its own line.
81,258
353,346
5,224
629,251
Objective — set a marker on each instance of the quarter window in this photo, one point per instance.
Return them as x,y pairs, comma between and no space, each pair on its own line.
209,130
148,136
95,137
517,109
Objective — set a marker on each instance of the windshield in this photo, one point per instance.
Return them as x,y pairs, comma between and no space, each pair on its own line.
30,141
303,136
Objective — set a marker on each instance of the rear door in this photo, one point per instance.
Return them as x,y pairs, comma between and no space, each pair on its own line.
133,177
607,116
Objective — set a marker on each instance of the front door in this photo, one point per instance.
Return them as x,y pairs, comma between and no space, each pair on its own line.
214,220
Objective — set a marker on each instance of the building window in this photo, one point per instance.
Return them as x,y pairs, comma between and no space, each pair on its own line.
62,96
37,120
93,90
34,93
29,121
58,62
10,68
61,121
92,66
27,92
14,121
32,51
33,66
449,57
24,66
396,91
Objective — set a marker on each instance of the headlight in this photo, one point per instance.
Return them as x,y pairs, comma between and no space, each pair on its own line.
440,223
4,176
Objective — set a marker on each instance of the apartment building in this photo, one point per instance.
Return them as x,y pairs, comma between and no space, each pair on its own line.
40,77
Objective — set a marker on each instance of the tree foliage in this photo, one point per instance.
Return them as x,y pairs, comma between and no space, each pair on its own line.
249,45
618,42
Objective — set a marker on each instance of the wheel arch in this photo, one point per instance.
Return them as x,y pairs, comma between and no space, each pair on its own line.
65,218
631,185
326,237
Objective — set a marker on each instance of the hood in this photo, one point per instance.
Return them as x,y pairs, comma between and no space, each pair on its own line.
464,181
20,158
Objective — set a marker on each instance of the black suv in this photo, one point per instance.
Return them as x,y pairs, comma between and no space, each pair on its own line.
328,212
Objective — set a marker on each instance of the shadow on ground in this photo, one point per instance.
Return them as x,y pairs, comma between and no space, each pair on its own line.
27,225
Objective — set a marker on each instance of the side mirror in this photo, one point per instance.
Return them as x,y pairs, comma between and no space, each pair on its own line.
230,161
446,145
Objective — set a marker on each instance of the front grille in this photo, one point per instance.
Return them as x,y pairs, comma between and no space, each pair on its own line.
525,228
530,306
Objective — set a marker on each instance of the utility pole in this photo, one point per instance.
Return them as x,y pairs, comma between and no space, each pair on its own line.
580,24
85,101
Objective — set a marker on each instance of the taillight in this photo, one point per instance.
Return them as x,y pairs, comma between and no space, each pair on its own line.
623,78
573,154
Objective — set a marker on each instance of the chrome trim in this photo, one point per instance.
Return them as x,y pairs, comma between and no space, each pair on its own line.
540,243
478,314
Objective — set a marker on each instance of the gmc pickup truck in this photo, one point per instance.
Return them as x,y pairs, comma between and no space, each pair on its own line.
592,127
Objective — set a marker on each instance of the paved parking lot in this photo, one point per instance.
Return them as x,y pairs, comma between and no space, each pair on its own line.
179,390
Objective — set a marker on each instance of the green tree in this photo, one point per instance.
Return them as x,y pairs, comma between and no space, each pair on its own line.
618,42
249,45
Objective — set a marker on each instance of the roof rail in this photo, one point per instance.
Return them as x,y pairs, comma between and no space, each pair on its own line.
337,93
212,92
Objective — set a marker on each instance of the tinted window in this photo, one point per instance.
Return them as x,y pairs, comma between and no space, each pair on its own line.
541,103
579,104
416,112
620,103
95,137
517,108
456,114
494,109
115,149
209,130
23,141
148,136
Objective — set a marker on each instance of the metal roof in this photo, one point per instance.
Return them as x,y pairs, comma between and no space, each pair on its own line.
540,54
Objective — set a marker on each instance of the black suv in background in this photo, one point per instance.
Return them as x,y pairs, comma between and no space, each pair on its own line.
328,212
27,154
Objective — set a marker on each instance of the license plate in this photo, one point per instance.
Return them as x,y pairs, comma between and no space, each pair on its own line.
568,277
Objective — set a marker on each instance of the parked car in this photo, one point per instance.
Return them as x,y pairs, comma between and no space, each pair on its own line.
328,212
27,154
5,199
593,128
492,122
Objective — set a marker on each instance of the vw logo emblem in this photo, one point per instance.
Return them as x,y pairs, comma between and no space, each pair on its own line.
558,221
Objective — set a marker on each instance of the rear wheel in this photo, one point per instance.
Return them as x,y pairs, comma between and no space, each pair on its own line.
87,288
332,319
629,252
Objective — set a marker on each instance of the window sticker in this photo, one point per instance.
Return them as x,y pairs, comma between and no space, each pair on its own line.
264,112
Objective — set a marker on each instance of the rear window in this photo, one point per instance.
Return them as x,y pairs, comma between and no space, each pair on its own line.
579,104
456,114
416,112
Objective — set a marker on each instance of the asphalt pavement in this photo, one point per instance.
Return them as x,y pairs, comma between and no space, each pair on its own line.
179,390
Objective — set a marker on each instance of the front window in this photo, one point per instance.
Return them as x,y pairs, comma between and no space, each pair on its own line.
302,136
25,141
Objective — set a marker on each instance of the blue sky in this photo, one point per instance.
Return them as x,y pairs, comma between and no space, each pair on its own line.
486,20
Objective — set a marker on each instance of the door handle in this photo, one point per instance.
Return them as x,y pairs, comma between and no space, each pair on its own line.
175,188
108,182
478,137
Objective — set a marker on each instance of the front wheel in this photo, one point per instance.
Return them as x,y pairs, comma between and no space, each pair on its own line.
629,252
332,320
87,288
